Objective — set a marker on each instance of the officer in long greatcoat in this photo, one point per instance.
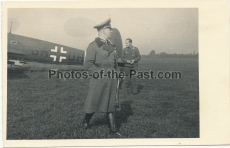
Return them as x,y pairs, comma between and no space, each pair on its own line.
100,55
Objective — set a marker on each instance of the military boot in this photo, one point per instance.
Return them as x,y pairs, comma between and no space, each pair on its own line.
112,126
85,122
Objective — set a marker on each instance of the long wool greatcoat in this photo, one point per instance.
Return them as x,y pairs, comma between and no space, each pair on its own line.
102,91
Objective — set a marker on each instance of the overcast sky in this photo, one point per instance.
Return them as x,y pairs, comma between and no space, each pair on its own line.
167,30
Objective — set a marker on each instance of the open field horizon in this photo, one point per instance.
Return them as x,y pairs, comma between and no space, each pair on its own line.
42,108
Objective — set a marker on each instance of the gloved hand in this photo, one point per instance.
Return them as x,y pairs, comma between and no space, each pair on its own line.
132,62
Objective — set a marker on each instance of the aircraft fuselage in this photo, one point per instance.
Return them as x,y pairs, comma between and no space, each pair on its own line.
30,49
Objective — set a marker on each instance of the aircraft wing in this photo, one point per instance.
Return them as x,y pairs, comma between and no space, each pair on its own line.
15,53
16,62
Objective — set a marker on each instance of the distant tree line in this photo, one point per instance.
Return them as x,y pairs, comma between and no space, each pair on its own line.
174,55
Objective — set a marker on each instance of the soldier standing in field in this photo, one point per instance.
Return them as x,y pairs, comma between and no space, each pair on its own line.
130,56
100,55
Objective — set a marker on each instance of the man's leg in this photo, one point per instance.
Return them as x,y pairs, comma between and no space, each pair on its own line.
134,83
86,120
112,124
127,77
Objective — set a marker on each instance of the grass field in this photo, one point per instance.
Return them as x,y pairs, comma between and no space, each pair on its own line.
42,108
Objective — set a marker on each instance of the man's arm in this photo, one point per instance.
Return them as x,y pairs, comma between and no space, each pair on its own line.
138,56
90,58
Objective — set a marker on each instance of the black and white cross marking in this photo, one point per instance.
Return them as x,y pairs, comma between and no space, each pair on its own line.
55,57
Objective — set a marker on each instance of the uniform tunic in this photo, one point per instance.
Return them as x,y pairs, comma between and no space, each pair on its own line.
102,91
130,53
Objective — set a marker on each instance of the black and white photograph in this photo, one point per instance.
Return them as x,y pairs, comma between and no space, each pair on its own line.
53,52
106,73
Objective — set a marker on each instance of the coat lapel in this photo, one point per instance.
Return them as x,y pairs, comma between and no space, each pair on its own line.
99,42
109,48
112,47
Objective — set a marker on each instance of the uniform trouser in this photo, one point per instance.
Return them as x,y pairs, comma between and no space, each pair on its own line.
131,79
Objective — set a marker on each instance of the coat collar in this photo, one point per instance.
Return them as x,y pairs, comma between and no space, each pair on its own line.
131,47
99,41
110,47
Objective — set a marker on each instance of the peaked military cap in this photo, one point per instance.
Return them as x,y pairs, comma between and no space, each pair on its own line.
105,24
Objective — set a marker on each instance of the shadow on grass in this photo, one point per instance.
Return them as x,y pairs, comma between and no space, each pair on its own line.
123,114
140,86
100,121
